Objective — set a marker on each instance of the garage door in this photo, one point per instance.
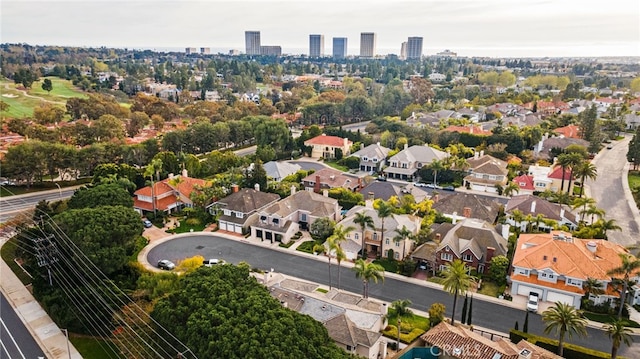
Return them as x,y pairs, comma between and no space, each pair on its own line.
476,187
223,226
524,290
238,228
559,297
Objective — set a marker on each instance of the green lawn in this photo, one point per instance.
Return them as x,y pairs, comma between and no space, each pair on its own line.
184,228
411,327
8,253
634,179
388,265
62,89
93,348
490,289
606,318
337,166
306,246
22,106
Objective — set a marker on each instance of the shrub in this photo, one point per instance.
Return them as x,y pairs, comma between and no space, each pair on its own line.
193,222
571,351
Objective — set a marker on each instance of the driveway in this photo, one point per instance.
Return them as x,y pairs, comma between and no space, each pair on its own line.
310,165
610,190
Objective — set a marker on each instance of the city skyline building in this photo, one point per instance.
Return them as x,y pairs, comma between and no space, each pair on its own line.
414,47
190,50
339,47
316,45
367,44
252,42
403,50
271,50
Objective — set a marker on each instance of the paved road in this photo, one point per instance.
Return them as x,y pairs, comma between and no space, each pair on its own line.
13,205
354,127
609,194
485,314
15,339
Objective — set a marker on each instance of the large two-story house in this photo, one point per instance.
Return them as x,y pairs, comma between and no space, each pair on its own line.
324,146
372,158
281,220
473,241
168,195
487,172
239,209
529,205
328,178
407,162
556,266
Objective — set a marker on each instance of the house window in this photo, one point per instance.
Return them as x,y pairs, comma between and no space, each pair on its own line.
446,256
396,255
276,221
303,217
398,244
374,160
375,236
394,164
263,219
467,257
574,282
386,241
365,158
522,271
356,236
418,164
405,165
239,214
349,348
227,212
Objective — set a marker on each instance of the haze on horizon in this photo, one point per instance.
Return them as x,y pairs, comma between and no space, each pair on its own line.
497,28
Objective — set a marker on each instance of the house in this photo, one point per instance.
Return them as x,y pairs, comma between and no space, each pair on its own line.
533,206
239,209
470,129
460,205
281,220
543,149
487,172
384,190
631,121
328,178
377,243
555,265
561,179
461,343
473,241
324,146
421,120
168,195
535,180
570,131
407,162
276,171
372,158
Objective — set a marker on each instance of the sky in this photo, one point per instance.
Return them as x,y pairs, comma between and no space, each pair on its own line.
496,28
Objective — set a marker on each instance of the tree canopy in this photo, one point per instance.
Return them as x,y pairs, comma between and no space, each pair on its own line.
111,194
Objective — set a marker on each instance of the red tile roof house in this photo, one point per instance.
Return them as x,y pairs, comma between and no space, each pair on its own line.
324,146
169,194
571,131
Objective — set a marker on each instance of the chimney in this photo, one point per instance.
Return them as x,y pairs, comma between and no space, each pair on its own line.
481,153
406,145
438,237
455,218
378,143
362,146
384,309
171,175
293,190
346,143
505,231
359,183
490,253
368,203
533,207
561,212
185,173
325,192
370,196
476,155
257,187
316,186
234,188
466,212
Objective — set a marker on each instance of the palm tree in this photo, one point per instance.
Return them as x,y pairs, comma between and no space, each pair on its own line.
368,272
384,210
607,225
153,168
592,286
586,170
575,160
456,281
629,265
537,220
564,319
401,310
618,334
435,166
510,189
593,211
335,244
518,217
365,221
403,235
564,162
582,202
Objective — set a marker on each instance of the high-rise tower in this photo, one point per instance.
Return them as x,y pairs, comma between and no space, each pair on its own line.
339,47
414,48
367,44
252,42
316,45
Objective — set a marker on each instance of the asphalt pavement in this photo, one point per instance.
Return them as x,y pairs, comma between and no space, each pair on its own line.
16,341
14,205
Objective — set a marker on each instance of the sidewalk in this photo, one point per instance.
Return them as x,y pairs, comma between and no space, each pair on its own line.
49,337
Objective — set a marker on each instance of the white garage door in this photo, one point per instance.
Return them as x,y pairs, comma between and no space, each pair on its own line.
476,187
238,228
559,297
223,226
524,290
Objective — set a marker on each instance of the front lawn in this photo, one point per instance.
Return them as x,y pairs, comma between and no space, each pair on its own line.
337,166
410,328
606,318
93,348
306,246
490,289
184,227
389,265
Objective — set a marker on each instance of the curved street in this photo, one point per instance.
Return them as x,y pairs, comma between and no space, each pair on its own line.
499,315
611,192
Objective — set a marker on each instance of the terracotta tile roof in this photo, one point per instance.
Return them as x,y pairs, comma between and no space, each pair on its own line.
161,204
524,182
333,141
158,188
568,256
571,131
556,173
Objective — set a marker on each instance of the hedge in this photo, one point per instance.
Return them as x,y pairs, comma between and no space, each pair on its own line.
571,351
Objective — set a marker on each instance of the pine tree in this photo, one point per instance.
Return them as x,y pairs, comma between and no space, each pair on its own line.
470,310
464,309
515,327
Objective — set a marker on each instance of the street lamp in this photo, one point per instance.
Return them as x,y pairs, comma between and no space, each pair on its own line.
59,190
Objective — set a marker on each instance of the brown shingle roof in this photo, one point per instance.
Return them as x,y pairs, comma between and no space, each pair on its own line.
524,202
481,208
247,200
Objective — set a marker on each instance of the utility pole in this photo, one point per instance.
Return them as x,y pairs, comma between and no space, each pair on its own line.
66,333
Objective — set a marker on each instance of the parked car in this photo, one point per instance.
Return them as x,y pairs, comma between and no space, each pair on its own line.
166,264
532,303
419,184
429,185
212,262
609,147
382,178
147,223
448,188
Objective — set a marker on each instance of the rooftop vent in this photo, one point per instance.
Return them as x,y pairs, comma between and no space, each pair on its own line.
592,246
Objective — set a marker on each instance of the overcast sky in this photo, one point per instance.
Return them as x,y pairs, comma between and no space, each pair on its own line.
470,27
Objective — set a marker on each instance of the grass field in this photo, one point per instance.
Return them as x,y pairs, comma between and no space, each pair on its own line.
22,106
634,179
93,348
62,90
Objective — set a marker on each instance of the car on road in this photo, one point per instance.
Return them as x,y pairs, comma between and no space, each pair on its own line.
147,223
166,264
532,303
429,185
419,184
212,262
448,188
609,147
382,178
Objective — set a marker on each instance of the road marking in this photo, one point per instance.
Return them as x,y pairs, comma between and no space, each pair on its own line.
12,339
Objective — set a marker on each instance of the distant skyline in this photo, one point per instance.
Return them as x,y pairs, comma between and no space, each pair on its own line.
496,28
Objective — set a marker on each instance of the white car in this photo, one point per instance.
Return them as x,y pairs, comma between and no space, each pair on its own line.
166,264
212,262
532,303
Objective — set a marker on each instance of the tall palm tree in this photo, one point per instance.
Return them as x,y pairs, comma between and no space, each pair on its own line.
618,334
365,221
575,160
153,168
564,319
368,272
510,189
629,265
607,225
384,210
435,166
593,211
564,162
402,235
586,170
401,309
456,281
335,244
537,220
582,202
592,286
518,217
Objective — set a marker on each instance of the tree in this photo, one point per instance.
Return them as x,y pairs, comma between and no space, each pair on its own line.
456,281
47,85
322,228
498,269
153,168
564,319
100,195
402,235
465,304
510,189
436,314
585,170
593,211
364,221
136,123
47,113
384,210
582,202
435,166
469,315
605,225
618,334
334,243
591,287
525,326
629,265
401,309
368,272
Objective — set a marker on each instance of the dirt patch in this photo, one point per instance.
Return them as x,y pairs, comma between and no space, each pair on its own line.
9,95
